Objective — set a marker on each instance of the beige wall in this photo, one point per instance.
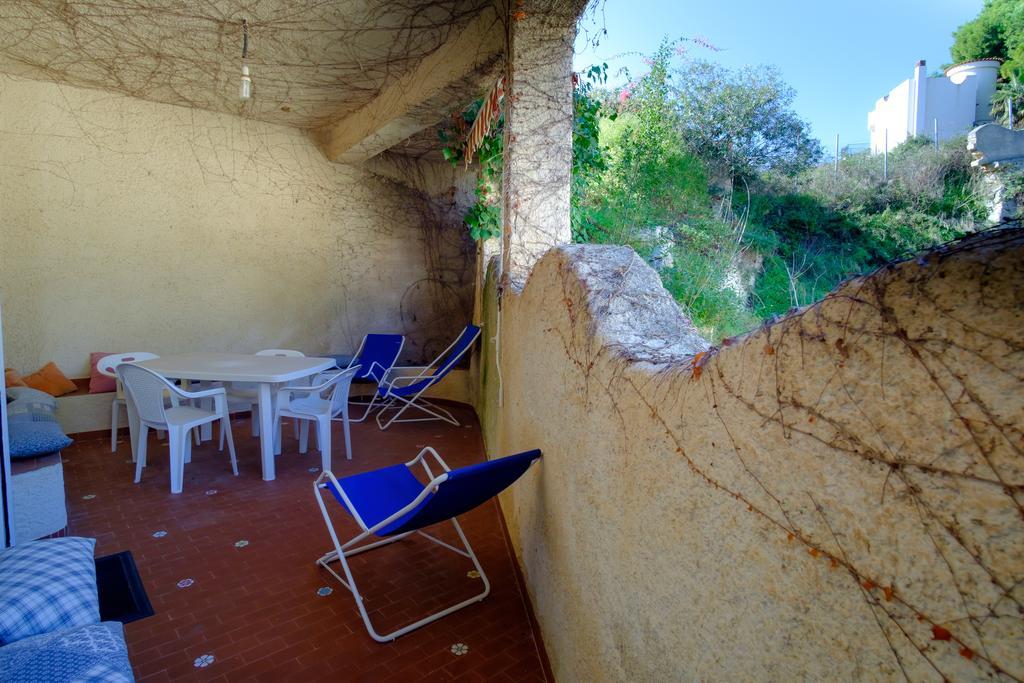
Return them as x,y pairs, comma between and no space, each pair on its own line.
817,503
129,225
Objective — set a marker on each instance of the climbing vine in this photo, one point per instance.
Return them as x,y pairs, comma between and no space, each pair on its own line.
483,218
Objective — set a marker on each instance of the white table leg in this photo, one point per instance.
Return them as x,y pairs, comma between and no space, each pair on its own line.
266,402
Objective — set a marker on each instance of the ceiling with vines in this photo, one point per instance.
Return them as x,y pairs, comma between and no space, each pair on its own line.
313,62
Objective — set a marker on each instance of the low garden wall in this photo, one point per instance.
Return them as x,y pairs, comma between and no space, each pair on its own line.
834,496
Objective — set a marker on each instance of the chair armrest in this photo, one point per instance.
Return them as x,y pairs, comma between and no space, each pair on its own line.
420,460
407,374
312,388
380,375
205,393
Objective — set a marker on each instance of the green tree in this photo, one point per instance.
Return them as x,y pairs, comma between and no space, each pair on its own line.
997,31
743,118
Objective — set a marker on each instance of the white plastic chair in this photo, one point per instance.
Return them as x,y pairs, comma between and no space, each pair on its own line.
307,403
108,366
147,389
244,396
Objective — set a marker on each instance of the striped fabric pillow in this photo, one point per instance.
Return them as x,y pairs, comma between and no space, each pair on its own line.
47,585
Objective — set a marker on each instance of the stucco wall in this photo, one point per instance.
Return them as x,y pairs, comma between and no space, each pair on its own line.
835,497
130,225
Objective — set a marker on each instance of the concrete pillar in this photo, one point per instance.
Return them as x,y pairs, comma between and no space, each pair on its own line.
538,142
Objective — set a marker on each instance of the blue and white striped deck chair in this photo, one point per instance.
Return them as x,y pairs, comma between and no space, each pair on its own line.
404,386
391,503
376,355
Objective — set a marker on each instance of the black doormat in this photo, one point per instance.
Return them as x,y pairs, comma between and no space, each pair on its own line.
122,596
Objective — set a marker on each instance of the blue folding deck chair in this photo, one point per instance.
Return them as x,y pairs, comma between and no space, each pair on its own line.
392,503
403,387
376,355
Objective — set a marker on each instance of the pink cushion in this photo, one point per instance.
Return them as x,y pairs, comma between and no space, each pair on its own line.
99,383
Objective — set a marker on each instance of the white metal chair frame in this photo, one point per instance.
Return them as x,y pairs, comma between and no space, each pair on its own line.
401,403
299,402
379,373
107,366
343,551
179,443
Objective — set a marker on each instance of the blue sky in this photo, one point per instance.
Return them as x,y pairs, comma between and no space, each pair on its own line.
839,55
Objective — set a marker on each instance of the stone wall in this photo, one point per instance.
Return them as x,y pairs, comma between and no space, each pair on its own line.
131,225
837,496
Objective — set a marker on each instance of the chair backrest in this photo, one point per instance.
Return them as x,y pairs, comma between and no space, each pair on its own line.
444,363
464,489
377,351
341,381
147,390
108,364
281,352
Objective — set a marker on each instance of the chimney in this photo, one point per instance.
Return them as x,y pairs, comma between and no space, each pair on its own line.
918,100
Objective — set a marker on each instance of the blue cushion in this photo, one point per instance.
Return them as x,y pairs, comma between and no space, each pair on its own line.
96,652
29,438
47,585
32,395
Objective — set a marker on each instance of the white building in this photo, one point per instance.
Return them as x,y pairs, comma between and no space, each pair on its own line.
952,103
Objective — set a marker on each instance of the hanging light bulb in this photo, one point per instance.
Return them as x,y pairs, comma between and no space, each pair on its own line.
245,91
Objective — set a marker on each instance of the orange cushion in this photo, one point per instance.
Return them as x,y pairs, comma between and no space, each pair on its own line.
12,378
50,379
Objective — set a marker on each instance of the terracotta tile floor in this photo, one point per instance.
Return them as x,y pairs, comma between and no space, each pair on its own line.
248,548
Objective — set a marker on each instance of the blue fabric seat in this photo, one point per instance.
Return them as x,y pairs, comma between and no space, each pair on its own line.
444,365
377,354
379,494
392,503
403,388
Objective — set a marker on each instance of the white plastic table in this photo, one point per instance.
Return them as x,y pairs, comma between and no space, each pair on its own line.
264,371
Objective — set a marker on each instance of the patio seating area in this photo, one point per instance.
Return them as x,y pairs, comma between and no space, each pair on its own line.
834,495
230,566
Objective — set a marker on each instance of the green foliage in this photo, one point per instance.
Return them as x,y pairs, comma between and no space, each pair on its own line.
651,192
998,31
483,218
643,162
588,157
704,255
1006,92
742,118
817,228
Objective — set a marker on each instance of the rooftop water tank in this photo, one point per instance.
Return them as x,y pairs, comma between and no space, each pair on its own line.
986,71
